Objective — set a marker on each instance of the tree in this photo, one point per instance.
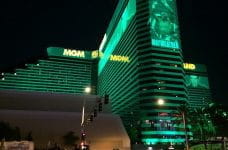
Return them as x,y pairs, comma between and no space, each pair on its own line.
198,121
133,134
206,122
29,136
219,117
9,133
202,126
70,139
183,110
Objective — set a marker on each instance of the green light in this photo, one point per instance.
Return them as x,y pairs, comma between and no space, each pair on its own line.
153,141
165,133
167,44
124,21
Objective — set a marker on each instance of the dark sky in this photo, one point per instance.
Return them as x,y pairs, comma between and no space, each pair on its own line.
27,27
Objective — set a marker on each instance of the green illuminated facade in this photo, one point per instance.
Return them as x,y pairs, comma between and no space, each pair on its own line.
64,71
139,62
147,32
199,94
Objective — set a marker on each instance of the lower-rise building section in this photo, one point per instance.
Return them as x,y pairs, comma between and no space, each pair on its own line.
55,74
199,94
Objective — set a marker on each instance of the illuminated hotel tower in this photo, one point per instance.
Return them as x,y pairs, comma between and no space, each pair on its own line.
147,33
140,63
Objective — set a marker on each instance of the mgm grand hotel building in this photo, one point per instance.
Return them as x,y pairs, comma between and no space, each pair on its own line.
138,63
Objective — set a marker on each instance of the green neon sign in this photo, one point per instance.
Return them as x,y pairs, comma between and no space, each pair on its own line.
165,133
121,27
152,141
163,22
73,53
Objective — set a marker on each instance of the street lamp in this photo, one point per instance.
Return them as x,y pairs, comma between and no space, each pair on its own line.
161,101
185,130
87,91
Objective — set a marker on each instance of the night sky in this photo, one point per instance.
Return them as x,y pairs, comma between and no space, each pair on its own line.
28,27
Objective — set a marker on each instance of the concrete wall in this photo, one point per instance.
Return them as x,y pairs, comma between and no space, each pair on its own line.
104,133
51,116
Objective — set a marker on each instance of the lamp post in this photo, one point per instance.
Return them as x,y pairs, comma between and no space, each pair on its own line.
86,91
161,102
185,130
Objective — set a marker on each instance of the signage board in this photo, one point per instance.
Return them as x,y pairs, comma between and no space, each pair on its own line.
163,23
18,145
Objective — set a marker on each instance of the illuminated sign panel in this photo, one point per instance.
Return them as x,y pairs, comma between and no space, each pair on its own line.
163,22
61,52
119,58
194,81
188,66
74,53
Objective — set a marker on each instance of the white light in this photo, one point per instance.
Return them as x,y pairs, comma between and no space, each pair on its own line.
3,78
103,43
161,102
171,147
83,115
87,90
150,148
3,74
15,73
147,121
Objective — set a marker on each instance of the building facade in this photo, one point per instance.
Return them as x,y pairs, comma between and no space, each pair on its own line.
197,83
147,33
63,71
139,63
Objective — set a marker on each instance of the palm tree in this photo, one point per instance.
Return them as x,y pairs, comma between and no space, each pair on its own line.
70,138
183,110
219,117
203,125
200,122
